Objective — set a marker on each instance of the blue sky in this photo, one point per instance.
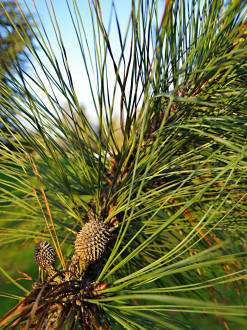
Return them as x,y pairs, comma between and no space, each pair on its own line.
71,45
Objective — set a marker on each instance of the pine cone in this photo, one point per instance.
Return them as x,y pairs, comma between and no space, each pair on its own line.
44,254
91,240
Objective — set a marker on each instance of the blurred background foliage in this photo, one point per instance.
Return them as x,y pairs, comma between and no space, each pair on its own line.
12,49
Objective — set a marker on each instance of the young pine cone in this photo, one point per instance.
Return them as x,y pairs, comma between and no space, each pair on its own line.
91,240
44,255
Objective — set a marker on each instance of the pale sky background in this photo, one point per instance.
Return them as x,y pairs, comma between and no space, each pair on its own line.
75,60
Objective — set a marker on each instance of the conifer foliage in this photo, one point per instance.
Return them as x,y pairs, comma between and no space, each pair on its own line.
149,233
